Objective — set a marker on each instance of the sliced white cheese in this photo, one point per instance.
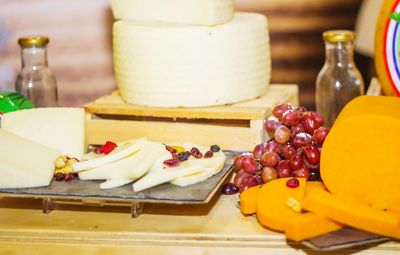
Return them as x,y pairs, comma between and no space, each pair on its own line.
198,12
196,65
131,167
113,183
121,152
58,128
24,163
210,166
165,175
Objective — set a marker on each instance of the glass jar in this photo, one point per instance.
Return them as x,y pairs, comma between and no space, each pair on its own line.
35,80
339,80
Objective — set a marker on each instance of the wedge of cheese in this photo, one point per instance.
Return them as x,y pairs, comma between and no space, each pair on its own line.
127,169
196,12
58,128
196,65
24,163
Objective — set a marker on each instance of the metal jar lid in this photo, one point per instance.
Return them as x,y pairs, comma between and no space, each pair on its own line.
30,41
339,36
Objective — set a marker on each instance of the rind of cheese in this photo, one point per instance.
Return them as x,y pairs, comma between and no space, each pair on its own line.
360,160
196,12
58,128
24,163
352,214
166,65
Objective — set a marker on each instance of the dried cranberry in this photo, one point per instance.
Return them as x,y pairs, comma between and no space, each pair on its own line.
183,156
195,152
172,162
292,183
215,148
108,147
59,176
208,154
69,177
98,150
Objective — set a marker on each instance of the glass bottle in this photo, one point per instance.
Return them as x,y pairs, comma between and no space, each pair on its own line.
35,80
339,80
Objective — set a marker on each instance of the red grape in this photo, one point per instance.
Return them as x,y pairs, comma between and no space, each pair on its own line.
314,175
247,182
296,162
311,121
272,145
240,175
310,166
270,159
284,169
268,174
279,110
270,125
301,140
291,118
299,128
303,172
249,164
238,162
259,150
282,134
312,154
286,150
229,189
301,109
319,135
292,183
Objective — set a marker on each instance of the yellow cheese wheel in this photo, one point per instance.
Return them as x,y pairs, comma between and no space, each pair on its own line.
387,57
360,159
379,105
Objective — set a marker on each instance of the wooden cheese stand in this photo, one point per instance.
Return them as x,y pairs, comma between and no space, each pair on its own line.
214,228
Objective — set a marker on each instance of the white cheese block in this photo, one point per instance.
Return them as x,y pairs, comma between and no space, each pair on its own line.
198,12
58,128
168,65
24,163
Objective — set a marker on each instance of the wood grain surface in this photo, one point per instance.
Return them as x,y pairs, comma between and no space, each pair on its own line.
80,50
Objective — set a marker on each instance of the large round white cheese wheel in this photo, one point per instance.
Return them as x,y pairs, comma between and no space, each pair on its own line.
188,66
198,12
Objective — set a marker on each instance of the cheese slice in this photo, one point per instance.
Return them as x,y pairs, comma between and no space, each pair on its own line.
198,12
24,163
167,65
58,128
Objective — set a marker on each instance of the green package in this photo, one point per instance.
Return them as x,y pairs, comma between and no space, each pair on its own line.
12,101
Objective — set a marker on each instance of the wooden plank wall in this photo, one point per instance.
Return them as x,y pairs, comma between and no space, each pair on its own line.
80,33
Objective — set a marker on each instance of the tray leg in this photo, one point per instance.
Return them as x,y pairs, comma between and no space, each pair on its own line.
48,205
136,209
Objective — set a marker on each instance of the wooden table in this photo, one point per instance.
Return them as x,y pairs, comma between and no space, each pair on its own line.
215,228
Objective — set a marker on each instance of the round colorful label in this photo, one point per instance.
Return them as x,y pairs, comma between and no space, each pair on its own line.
391,46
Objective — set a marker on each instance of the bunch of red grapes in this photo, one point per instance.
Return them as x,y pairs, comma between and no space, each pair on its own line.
293,151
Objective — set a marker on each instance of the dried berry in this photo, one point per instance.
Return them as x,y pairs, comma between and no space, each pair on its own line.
69,177
98,150
208,154
292,183
172,162
59,176
215,148
183,156
195,152
108,147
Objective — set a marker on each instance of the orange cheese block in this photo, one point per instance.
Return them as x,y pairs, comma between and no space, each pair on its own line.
395,208
360,160
352,214
377,105
273,211
248,200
